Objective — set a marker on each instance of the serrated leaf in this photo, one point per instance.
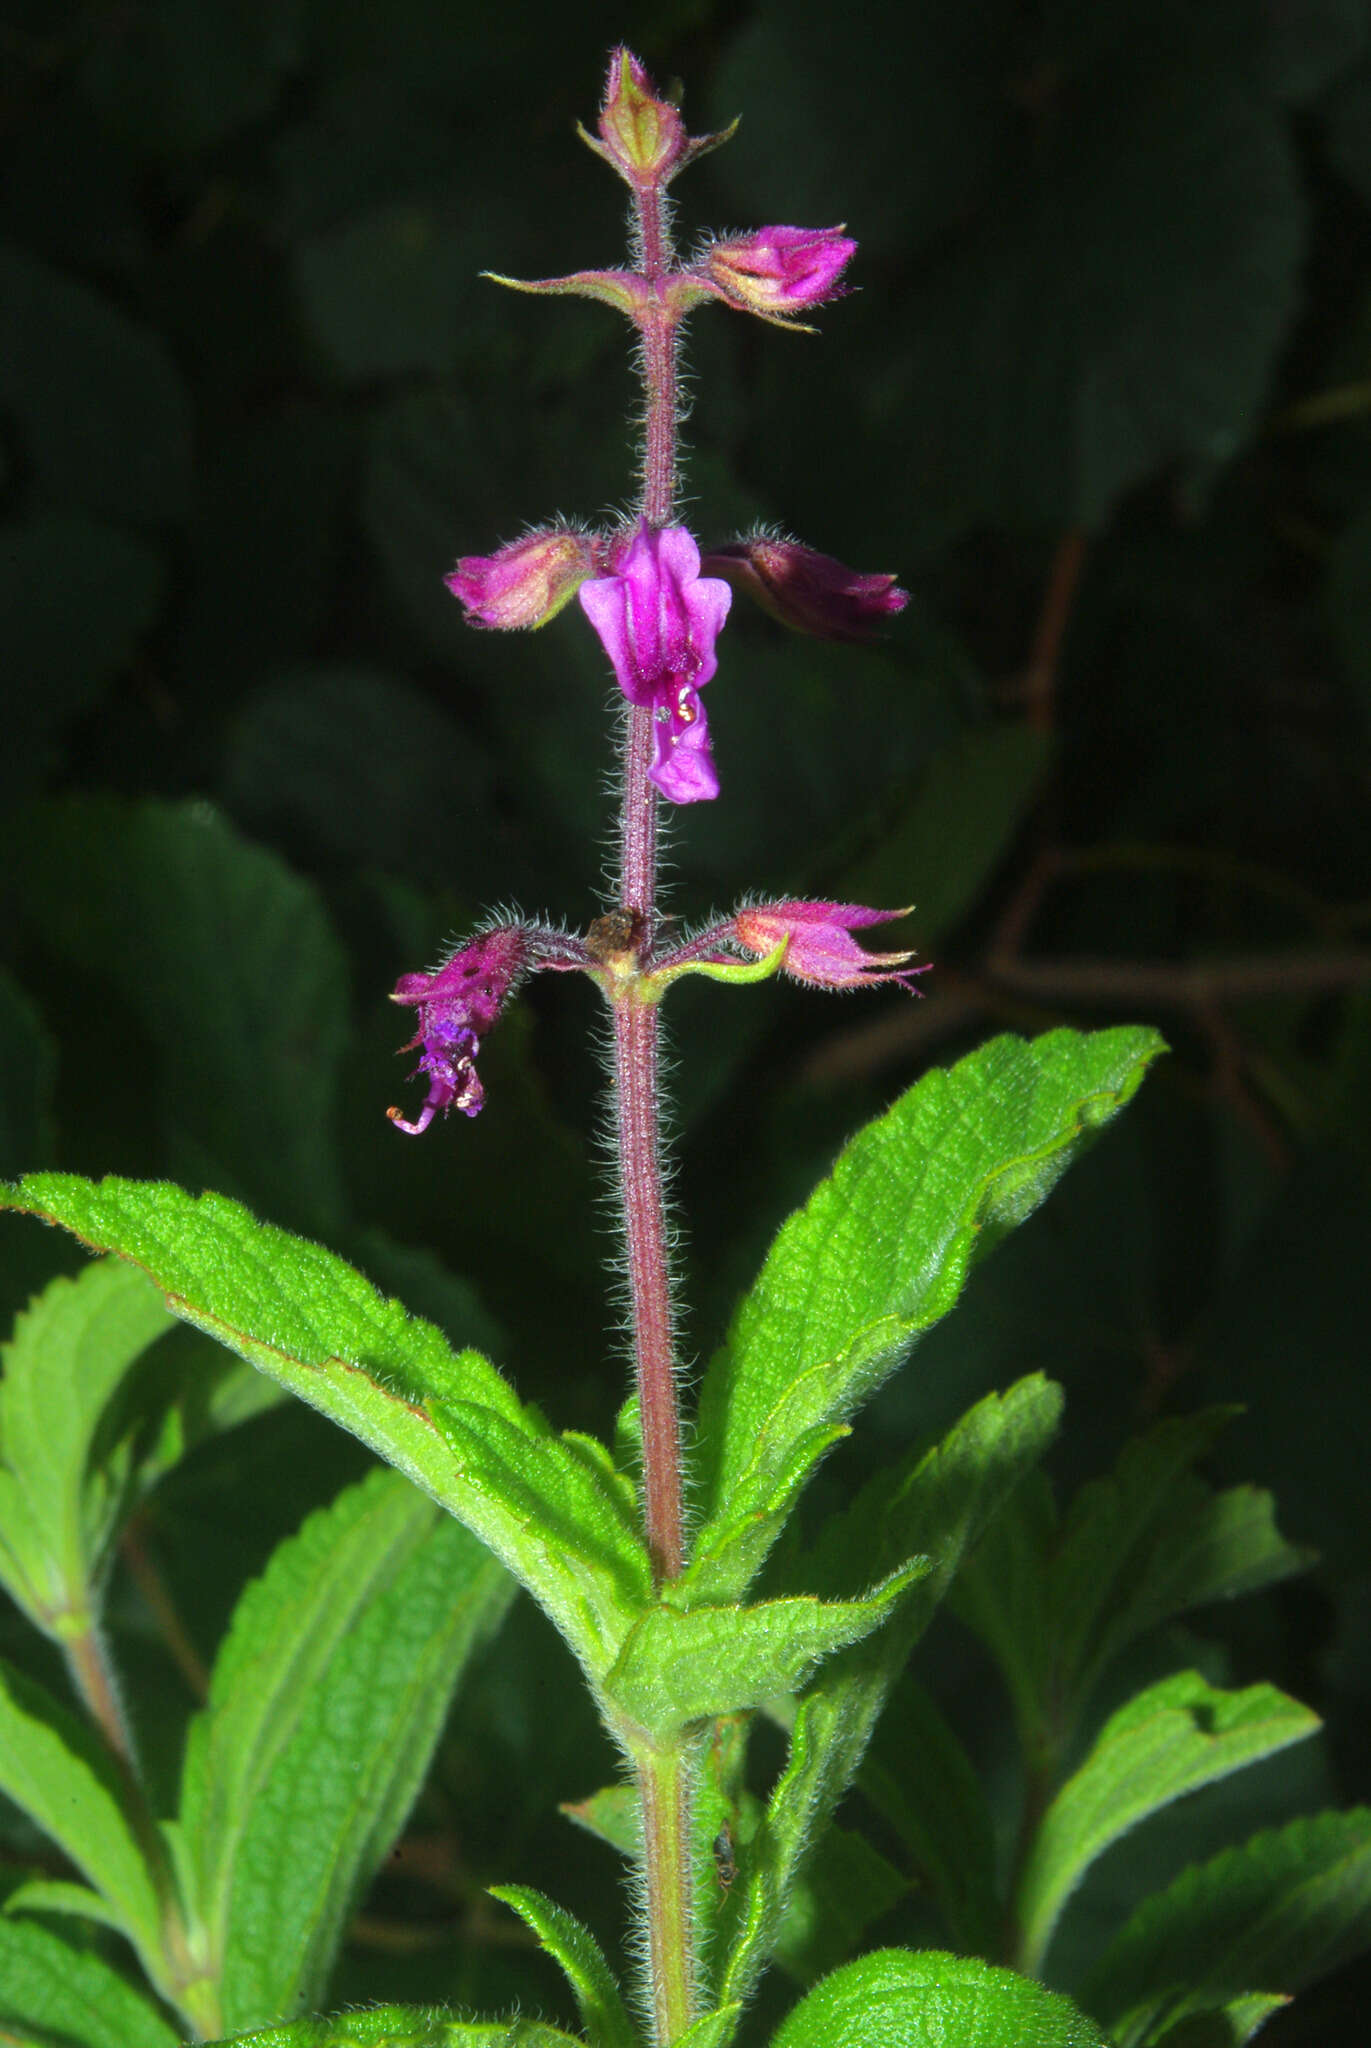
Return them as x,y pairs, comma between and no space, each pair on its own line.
1275,1913
572,1506
327,1697
53,1767
897,1999
319,1328
405,2026
572,1944
1149,1540
153,898
70,1994
918,1777
675,1668
880,1252
942,1505
62,1490
1178,1735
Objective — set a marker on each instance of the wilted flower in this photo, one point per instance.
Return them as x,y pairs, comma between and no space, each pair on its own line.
819,946
457,1007
658,619
808,591
526,583
777,271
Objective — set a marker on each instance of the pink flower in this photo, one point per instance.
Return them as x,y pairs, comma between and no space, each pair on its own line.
658,619
807,590
526,583
820,948
457,1006
777,271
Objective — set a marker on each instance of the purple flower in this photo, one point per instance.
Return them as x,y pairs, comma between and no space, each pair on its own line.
819,946
457,1007
658,619
777,271
526,583
806,590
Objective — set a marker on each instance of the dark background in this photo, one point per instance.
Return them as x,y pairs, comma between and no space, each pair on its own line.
1102,398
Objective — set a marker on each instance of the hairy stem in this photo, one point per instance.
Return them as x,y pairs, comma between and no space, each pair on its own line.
663,1777
93,1677
664,1787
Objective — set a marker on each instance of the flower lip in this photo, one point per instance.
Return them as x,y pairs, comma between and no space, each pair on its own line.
658,620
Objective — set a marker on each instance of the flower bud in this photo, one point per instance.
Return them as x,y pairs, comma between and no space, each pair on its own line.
642,135
778,271
819,946
808,591
526,583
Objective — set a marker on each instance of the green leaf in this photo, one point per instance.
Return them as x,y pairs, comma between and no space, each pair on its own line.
896,1999
405,2026
879,1253
713,2029
53,1766
1147,1541
1178,1735
676,1668
1272,1915
100,404
67,1467
938,1507
1228,2026
327,1697
565,1938
70,1995
320,1329
922,1783
155,898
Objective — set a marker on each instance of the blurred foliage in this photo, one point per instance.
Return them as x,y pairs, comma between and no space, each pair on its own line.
1103,398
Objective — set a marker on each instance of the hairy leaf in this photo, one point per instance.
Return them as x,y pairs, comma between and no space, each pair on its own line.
53,1766
676,1668
319,1327
70,1994
1269,1916
1178,1735
405,2026
897,1999
879,1253
939,1507
598,1998
328,1695
62,1488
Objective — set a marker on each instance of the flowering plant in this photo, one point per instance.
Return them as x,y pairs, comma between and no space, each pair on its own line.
746,1655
